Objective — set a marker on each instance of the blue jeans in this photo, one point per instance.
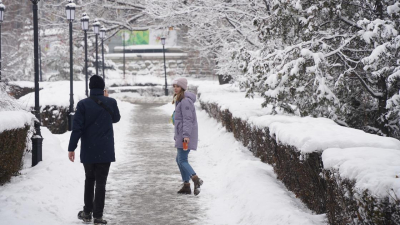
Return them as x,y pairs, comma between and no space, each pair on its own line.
182,160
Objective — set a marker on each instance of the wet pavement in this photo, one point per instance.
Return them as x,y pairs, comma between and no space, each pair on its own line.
142,185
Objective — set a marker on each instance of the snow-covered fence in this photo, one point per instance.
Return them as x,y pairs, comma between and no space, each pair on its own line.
14,128
348,174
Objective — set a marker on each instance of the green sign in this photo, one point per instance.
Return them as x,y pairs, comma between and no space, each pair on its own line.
138,37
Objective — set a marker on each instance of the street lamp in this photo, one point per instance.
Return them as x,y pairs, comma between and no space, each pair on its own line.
123,50
103,37
37,139
96,29
165,67
2,9
70,11
85,28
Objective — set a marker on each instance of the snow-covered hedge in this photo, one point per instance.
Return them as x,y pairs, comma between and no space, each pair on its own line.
363,185
54,102
13,144
14,127
294,147
17,90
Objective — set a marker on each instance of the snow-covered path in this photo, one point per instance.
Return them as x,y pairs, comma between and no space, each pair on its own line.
143,182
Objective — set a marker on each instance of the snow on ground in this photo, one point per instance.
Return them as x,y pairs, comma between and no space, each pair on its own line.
52,191
239,188
23,84
10,120
377,170
45,194
137,98
53,93
116,77
306,134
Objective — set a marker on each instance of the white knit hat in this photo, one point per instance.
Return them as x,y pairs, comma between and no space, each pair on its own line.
181,82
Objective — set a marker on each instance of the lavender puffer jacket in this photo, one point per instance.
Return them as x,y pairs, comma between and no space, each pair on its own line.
186,122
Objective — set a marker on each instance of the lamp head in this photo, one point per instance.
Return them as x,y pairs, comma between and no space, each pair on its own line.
70,10
96,27
103,31
85,22
2,9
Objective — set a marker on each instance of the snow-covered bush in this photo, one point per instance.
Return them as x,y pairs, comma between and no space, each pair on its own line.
7,103
15,127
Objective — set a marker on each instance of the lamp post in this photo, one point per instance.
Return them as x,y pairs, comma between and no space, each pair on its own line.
96,29
37,139
123,50
85,28
103,37
2,9
165,67
70,11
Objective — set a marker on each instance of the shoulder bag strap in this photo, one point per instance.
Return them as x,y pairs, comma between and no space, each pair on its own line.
100,103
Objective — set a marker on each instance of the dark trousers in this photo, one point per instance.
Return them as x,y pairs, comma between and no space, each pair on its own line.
96,173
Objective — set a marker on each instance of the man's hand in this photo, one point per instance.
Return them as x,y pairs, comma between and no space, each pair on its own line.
186,140
106,93
71,156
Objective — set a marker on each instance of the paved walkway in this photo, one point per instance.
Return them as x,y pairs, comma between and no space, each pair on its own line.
142,186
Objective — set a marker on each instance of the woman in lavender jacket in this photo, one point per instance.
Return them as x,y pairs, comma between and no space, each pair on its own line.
186,130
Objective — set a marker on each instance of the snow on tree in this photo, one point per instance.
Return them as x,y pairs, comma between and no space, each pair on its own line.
331,58
217,29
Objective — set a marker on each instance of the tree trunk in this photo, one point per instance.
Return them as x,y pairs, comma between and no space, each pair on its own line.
379,9
382,120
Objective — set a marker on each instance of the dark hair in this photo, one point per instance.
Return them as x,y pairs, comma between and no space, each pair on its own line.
96,82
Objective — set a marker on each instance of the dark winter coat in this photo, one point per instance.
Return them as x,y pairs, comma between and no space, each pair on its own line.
94,126
186,122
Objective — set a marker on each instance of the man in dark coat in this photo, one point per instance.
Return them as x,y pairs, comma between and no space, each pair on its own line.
93,124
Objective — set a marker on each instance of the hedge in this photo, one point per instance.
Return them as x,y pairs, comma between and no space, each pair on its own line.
12,148
55,118
322,191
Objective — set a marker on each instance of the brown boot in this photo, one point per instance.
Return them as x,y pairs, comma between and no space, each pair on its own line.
197,183
185,189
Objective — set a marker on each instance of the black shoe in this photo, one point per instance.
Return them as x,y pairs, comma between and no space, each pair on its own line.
185,189
99,221
197,184
85,217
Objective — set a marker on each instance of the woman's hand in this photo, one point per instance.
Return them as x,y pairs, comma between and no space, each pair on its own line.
187,140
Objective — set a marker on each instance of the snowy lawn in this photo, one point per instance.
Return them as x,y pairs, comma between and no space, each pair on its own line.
52,192
239,188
